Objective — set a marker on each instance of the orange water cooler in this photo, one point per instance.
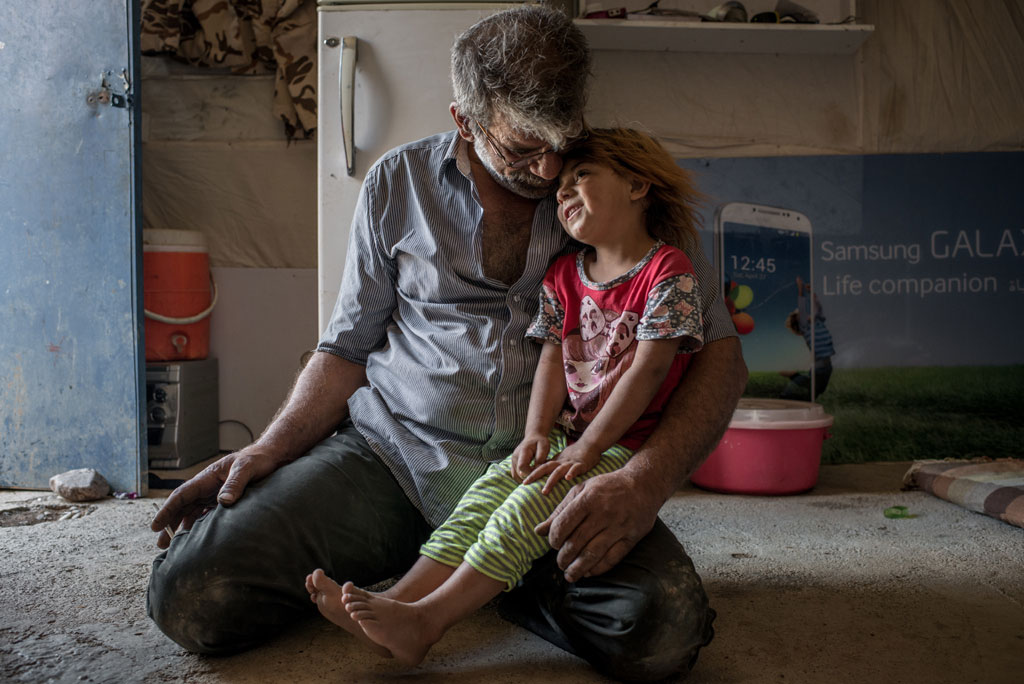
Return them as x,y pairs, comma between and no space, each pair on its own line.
178,295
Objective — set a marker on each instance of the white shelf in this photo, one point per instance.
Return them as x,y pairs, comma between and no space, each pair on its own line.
655,35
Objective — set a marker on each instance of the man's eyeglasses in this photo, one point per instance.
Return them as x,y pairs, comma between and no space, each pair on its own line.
512,160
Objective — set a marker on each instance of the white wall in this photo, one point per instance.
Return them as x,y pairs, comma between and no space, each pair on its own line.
933,77
264,321
214,158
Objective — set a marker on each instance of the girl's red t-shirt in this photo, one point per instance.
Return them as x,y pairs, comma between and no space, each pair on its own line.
599,326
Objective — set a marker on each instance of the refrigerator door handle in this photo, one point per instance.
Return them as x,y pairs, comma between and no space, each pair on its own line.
347,78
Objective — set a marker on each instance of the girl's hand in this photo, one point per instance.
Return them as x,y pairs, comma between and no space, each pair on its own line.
531,452
575,460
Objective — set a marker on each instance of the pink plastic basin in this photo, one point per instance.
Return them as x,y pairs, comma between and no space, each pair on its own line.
772,446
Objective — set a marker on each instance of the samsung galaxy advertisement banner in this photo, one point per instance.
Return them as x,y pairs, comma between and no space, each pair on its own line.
891,286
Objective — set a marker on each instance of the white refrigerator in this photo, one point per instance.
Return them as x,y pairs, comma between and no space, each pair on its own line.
383,81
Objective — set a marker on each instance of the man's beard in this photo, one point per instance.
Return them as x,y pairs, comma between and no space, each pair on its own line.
522,182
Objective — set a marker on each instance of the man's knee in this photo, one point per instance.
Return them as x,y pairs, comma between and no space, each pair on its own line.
663,623
198,608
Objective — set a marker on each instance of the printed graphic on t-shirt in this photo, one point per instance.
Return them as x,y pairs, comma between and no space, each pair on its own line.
596,354
600,326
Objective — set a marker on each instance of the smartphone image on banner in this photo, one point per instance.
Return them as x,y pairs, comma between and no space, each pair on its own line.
761,252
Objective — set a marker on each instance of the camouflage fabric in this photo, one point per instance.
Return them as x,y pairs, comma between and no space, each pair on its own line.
248,37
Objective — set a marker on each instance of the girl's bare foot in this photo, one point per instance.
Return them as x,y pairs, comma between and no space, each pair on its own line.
327,595
401,628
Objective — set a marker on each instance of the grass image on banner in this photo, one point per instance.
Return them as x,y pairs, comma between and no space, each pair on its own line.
903,414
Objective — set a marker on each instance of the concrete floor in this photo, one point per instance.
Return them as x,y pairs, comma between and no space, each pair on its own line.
818,587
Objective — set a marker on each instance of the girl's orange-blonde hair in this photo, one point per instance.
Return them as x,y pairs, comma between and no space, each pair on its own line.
671,214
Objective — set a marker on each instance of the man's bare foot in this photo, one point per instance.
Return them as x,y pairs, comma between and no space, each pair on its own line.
326,594
399,627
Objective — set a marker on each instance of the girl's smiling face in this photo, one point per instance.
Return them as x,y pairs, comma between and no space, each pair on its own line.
597,206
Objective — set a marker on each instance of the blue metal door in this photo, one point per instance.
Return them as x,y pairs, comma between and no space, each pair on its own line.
71,362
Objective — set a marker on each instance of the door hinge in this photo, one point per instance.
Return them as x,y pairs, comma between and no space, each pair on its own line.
111,92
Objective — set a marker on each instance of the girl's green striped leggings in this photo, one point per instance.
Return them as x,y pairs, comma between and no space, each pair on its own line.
491,528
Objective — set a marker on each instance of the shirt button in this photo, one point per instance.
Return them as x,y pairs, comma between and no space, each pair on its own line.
516,298
504,398
513,342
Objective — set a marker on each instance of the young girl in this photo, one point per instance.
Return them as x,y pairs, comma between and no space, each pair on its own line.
618,321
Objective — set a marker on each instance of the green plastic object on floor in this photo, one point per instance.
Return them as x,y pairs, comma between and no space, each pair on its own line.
898,512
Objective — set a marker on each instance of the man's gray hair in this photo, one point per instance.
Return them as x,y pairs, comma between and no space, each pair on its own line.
528,65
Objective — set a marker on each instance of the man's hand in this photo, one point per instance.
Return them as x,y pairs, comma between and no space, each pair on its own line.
573,461
315,407
598,523
223,481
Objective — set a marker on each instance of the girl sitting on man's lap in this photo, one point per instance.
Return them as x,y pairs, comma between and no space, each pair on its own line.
618,322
